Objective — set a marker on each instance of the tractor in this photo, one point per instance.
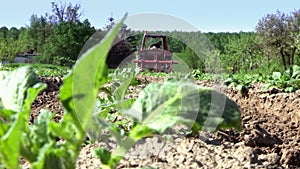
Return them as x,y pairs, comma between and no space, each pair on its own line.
155,57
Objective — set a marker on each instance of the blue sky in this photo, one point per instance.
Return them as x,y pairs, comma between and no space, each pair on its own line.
205,15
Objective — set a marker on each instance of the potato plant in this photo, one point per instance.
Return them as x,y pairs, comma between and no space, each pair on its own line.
289,80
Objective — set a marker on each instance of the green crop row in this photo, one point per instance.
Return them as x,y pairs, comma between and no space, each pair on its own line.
40,69
288,81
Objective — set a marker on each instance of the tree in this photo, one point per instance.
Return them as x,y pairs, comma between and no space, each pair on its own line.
37,33
175,45
241,53
221,40
14,33
4,32
296,23
9,49
64,45
64,12
9,43
25,41
277,32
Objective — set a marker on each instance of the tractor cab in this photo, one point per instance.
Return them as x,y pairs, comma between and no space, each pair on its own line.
154,54
159,38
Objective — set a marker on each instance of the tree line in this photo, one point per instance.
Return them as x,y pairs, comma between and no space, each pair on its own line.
59,38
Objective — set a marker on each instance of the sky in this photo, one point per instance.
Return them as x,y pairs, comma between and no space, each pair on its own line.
202,15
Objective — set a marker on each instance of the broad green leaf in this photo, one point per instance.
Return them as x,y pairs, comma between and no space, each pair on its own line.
120,91
160,106
80,89
229,81
108,160
140,130
42,154
10,143
60,157
40,130
18,90
4,123
276,75
289,89
296,71
14,86
40,125
58,131
32,93
103,154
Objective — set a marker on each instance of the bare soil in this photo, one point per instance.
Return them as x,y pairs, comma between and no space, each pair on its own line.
270,137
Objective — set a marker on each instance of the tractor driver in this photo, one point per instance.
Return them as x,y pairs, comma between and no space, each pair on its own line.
156,45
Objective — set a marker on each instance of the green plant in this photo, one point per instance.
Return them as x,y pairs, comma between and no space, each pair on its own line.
197,74
114,100
152,112
242,82
289,80
50,70
40,69
18,90
38,142
177,102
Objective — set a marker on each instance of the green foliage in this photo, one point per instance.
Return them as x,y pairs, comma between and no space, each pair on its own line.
199,75
47,70
59,36
13,88
36,35
18,91
104,155
191,58
240,81
158,107
242,53
175,45
50,70
64,45
289,80
161,106
243,82
178,100
38,142
115,101
278,33
9,49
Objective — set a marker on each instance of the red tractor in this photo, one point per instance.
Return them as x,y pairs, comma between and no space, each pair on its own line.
155,57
